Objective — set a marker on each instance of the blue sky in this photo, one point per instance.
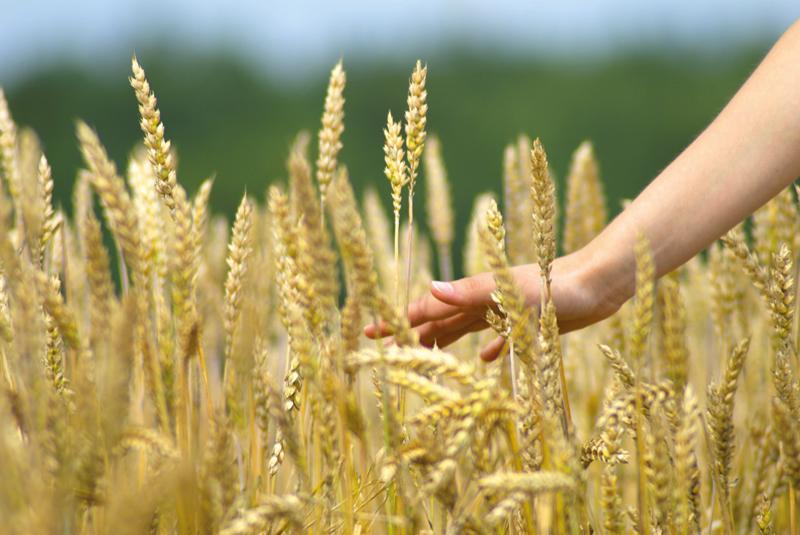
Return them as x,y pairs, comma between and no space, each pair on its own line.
298,38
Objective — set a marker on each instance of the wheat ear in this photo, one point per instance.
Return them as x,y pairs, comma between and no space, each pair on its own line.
331,132
542,191
416,119
8,154
397,174
586,205
439,204
720,424
158,147
239,251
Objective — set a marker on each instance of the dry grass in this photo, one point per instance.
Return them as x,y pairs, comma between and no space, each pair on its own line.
223,385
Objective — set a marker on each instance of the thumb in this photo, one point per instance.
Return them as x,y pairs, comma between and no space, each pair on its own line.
473,291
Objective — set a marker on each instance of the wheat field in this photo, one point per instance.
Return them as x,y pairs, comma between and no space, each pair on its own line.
215,378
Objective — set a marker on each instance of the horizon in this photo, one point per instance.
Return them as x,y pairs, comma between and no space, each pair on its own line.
300,41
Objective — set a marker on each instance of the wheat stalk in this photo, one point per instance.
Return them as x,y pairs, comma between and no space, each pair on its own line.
108,425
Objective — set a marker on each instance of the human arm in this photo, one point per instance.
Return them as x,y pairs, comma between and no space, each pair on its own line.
742,159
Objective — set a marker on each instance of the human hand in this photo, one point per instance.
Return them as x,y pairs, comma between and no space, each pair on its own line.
453,309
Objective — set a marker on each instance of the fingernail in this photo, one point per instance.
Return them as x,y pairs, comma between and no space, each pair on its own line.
444,287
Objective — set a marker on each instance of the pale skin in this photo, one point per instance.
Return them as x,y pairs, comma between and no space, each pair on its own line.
746,156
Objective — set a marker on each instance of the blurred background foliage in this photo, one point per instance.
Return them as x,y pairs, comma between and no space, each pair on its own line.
639,108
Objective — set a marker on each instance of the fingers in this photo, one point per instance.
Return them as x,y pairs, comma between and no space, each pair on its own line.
493,349
446,340
449,298
445,300
498,346
470,292
427,310
430,308
445,332
377,331
432,330
441,332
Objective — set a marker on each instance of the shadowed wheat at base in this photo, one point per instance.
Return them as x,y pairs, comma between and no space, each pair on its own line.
220,381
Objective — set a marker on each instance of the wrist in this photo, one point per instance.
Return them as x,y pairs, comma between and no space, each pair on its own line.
607,274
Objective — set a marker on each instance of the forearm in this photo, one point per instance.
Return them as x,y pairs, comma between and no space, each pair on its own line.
749,153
